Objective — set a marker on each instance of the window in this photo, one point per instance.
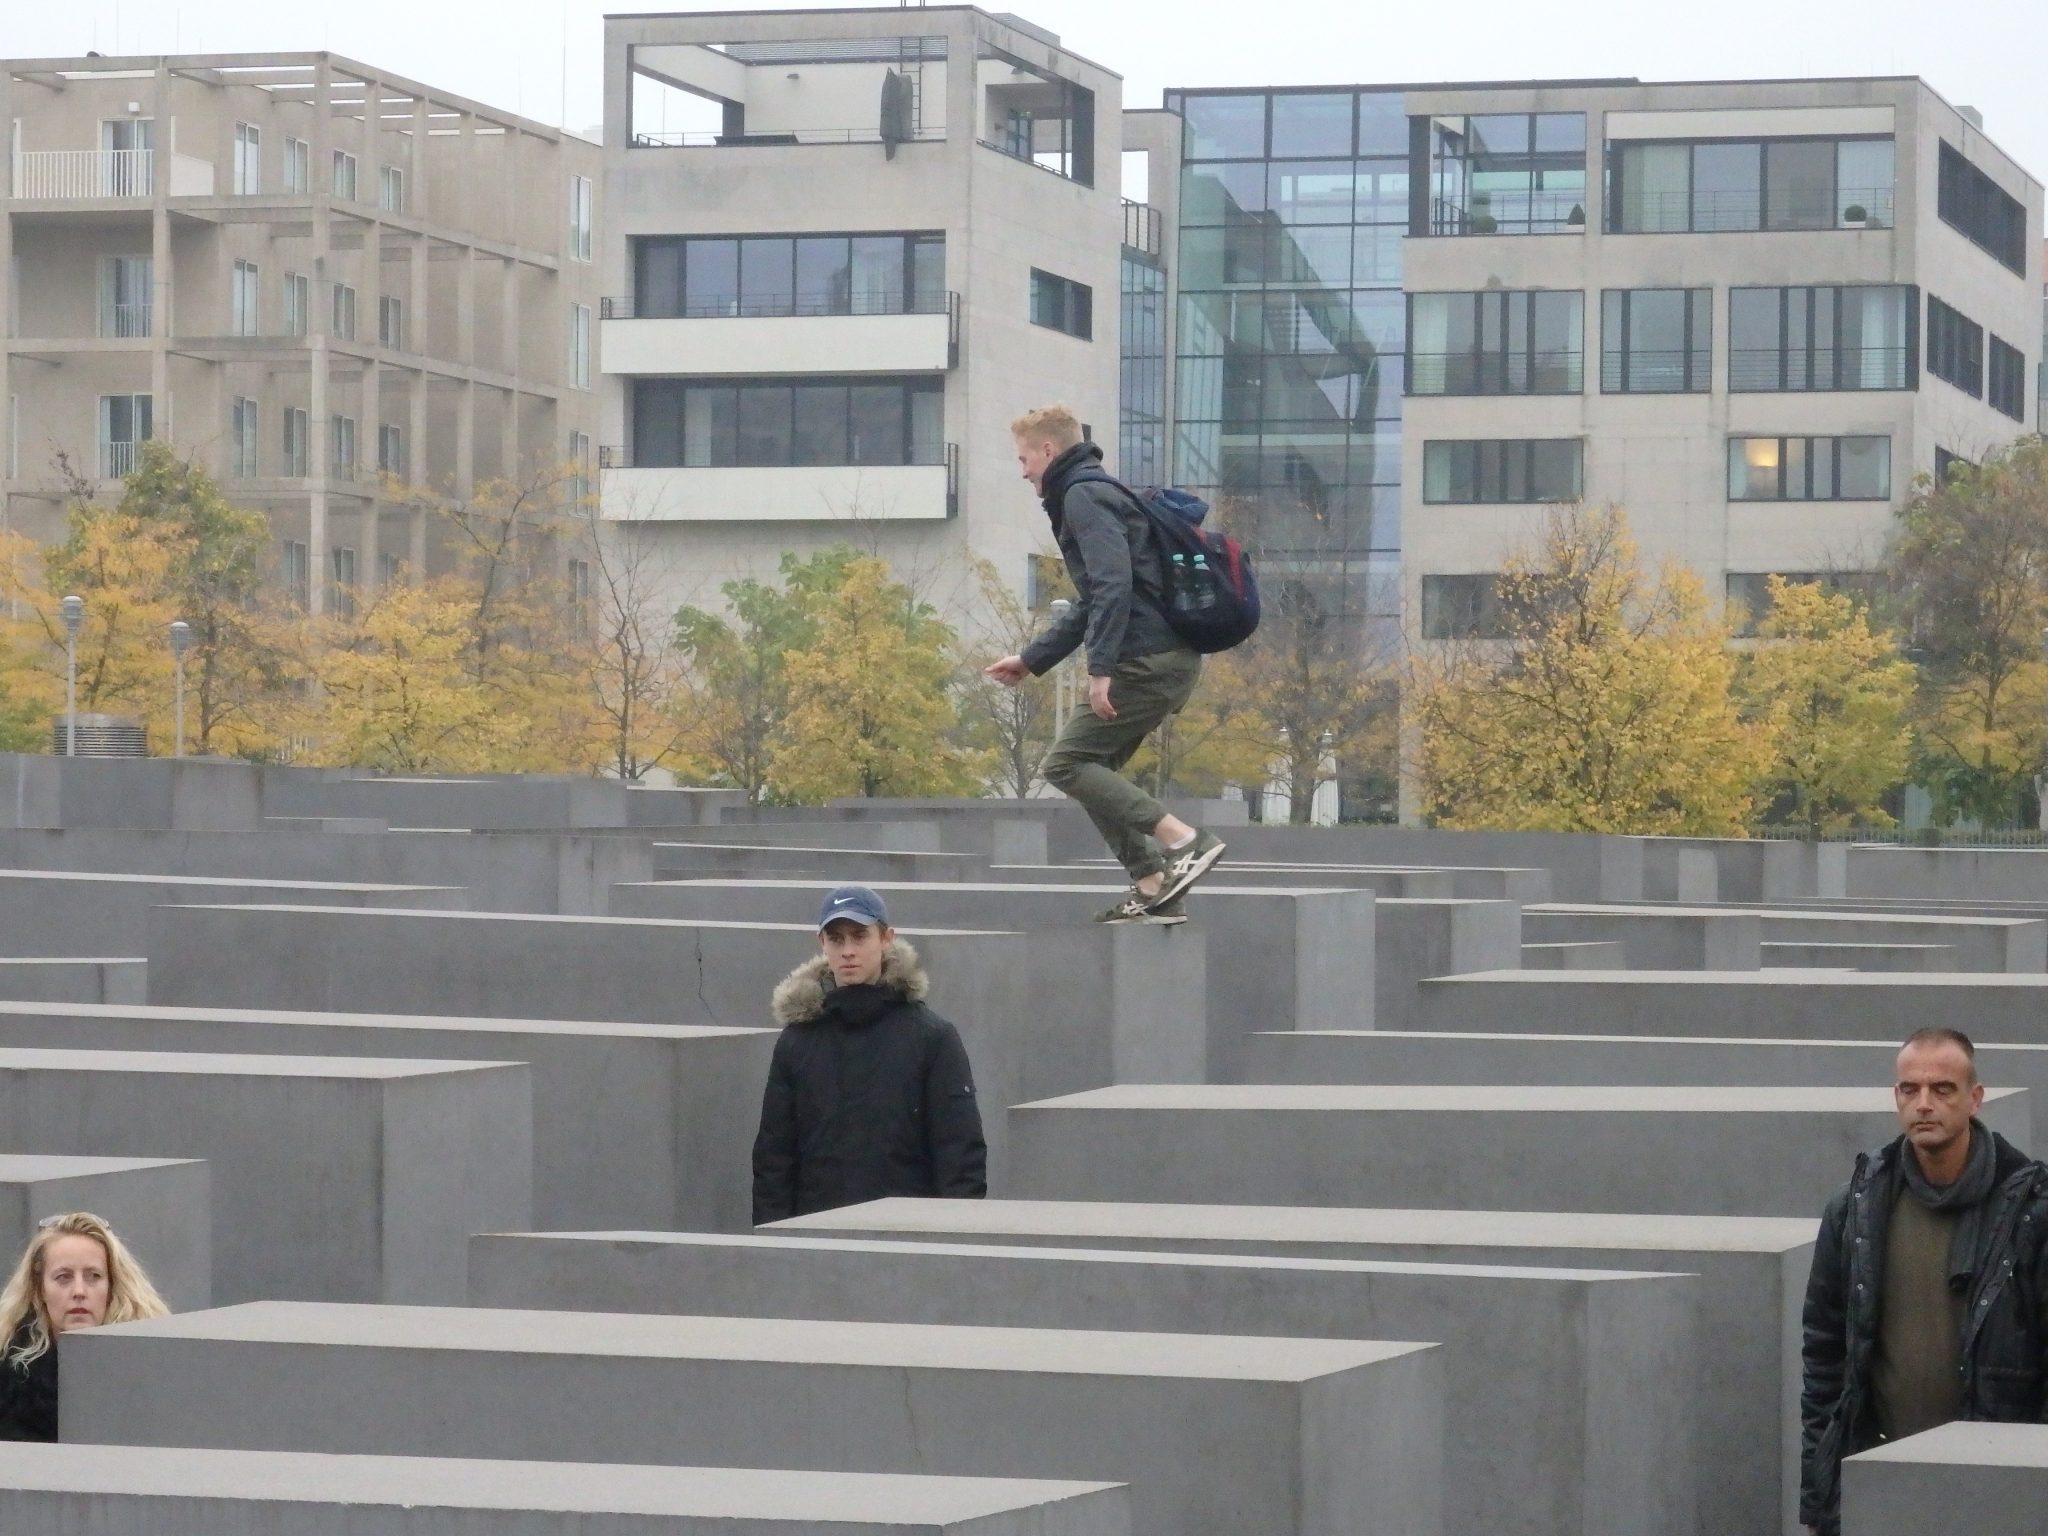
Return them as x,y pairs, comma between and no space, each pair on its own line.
1501,342
344,177
1984,212
124,422
1955,348
2007,389
1656,341
244,294
780,422
1749,592
298,437
248,160
242,444
298,573
1809,468
388,568
390,448
298,160
1946,464
344,311
579,469
1461,608
772,275
1502,470
1515,173
391,322
1703,187
391,188
341,442
298,302
579,218
342,563
125,283
1141,373
1830,338
579,590
579,346
1061,304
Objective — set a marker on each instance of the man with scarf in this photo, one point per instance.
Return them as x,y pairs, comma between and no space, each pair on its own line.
1928,1299
1139,671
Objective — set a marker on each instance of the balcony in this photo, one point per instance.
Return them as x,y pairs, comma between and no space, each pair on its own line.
793,335
123,321
1717,211
75,175
824,493
117,460
1798,370
1542,372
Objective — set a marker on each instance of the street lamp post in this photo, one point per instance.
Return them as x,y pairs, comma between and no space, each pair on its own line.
73,609
181,642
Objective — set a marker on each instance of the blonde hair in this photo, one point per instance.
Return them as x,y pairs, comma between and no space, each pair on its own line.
1053,424
130,1296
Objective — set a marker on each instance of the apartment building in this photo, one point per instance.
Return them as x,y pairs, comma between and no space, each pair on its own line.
343,292
842,251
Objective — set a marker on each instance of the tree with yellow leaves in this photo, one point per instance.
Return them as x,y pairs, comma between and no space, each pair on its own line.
1605,706
869,708
1832,697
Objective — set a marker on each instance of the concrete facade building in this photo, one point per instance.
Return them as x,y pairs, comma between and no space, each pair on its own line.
340,291
843,250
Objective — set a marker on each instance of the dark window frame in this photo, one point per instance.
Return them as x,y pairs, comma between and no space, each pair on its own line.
1807,459
1490,369
1976,207
1841,377
1437,217
646,396
647,305
1955,348
1698,350
2005,379
1461,606
1071,304
1477,450
1615,188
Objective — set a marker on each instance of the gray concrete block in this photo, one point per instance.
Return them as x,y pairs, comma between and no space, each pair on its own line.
73,979
1752,1282
331,1179
123,1490
161,1208
1656,938
1419,939
159,793
749,861
60,913
649,1124
1987,1479
526,803
1558,1380
1584,955
1009,836
2011,944
1972,874
1214,1435
1382,882
1040,1015
1656,1149
1582,867
565,872
1305,955
1860,957
1779,1004
1740,869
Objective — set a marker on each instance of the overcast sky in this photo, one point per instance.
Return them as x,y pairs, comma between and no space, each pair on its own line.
540,57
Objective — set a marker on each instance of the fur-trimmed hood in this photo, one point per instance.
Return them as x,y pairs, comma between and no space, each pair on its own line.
800,996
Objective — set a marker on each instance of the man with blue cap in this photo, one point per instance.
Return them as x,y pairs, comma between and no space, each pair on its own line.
869,1093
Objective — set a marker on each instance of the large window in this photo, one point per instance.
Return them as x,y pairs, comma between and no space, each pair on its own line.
1809,468
244,300
1461,608
579,346
1515,173
2007,390
1955,347
344,311
391,188
1499,342
1749,592
580,221
390,448
248,160
1061,304
1141,341
768,423
1503,470
125,292
242,421
343,179
1656,341
297,302
1985,212
125,421
391,321
703,277
298,160
1704,186
341,444
298,436
1821,338
297,573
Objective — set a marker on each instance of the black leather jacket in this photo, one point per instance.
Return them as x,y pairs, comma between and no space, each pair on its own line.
2005,1334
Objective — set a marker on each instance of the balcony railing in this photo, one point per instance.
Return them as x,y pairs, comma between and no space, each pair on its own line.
1519,213
1654,371
711,139
117,460
1496,373
781,306
124,320
1728,212
923,456
1765,370
73,173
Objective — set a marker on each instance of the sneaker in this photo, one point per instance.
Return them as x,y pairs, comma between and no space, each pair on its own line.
1137,907
1187,866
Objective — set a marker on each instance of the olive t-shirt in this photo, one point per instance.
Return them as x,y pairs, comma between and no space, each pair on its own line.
1918,1371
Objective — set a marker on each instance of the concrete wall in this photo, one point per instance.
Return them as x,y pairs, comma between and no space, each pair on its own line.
1419,939
1989,1478
161,1209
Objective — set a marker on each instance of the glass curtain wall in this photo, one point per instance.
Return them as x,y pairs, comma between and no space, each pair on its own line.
1292,325
1141,428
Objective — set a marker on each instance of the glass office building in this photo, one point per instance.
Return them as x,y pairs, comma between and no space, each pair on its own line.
1291,330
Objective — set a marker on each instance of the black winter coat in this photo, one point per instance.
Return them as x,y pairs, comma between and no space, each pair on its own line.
28,1394
2005,1335
869,1095
1113,556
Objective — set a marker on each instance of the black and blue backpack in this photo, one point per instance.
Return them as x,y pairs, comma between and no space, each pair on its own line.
1212,593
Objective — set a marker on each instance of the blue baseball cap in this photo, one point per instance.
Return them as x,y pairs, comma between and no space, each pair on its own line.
856,904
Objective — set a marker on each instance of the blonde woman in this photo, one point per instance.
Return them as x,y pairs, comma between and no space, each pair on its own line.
74,1274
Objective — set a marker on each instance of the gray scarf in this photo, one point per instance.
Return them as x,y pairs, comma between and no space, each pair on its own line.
1965,1198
